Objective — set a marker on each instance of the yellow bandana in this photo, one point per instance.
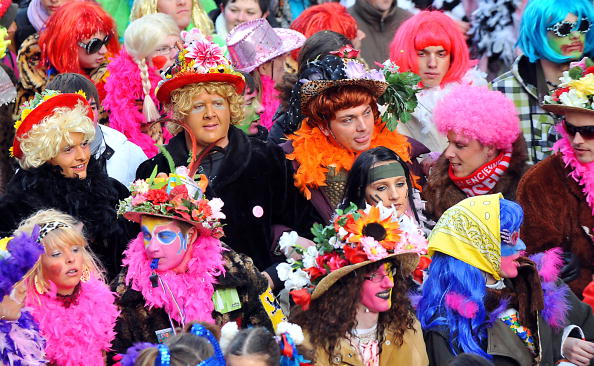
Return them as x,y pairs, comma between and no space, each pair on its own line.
470,232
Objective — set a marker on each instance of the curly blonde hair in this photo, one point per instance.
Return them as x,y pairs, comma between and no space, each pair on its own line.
42,142
59,238
182,101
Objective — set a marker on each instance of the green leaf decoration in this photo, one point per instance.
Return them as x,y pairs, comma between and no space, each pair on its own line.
589,62
167,156
400,98
575,72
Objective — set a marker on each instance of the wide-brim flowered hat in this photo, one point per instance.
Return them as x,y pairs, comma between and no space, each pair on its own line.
332,71
353,240
575,92
43,105
253,43
201,61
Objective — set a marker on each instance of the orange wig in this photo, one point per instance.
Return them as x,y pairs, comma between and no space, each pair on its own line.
323,107
72,23
328,16
426,29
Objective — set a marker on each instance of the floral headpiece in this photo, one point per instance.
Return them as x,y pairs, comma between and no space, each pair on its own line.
352,240
200,61
575,90
17,256
41,106
175,196
395,90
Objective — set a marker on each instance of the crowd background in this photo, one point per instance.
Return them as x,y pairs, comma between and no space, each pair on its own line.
296,182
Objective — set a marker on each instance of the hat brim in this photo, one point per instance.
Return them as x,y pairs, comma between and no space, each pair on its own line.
563,109
408,262
183,79
292,40
313,88
9,17
137,216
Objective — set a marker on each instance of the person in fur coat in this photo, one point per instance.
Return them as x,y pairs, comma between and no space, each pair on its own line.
557,195
485,154
57,171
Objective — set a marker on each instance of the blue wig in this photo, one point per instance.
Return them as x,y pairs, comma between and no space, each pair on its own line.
541,14
511,215
450,275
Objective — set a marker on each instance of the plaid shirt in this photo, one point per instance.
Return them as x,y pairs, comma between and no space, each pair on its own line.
537,124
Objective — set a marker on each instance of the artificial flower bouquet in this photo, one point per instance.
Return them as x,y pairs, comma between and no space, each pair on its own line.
576,87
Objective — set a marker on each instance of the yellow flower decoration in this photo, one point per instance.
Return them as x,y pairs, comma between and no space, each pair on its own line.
81,92
11,152
4,243
584,85
17,124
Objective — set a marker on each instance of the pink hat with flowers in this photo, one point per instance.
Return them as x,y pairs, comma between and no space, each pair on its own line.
254,43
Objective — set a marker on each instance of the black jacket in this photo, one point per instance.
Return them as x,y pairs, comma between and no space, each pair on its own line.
93,201
254,174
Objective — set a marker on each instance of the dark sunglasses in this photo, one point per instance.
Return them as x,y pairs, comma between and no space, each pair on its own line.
564,28
587,132
95,44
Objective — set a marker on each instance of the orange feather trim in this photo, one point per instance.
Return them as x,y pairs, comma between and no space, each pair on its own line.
315,153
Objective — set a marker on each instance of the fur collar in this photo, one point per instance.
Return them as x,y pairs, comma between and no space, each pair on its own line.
441,193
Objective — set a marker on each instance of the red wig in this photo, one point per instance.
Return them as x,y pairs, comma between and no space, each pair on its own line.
73,22
328,16
426,29
323,107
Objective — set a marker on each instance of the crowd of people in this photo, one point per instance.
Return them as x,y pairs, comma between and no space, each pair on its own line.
242,182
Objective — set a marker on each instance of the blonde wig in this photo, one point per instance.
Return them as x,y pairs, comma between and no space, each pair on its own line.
201,21
182,101
142,37
42,142
68,234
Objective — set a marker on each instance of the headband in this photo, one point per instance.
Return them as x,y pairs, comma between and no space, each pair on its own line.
385,171
49,227
163,358
217,359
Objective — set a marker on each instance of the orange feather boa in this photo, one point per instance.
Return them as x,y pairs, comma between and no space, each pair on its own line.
315,153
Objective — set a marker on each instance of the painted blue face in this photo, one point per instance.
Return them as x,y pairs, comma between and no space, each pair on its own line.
511,243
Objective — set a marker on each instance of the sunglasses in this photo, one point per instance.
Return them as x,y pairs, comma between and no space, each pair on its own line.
95,44
587,132
565,28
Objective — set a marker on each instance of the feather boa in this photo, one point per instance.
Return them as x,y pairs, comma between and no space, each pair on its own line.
556,306
270,101
24,252
123,87
582,173
20,342
80,334
461,304
193,289
315,153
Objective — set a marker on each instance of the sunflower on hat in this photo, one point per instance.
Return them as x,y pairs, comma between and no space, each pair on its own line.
354,239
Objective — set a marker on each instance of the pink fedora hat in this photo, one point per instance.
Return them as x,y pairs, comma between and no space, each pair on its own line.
254,43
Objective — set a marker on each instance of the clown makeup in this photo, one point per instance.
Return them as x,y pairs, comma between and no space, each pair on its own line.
572,44
511,248
387,184
164,240
376,291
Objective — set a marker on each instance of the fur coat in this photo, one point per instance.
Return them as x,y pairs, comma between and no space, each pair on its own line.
441,193
92,200
556,214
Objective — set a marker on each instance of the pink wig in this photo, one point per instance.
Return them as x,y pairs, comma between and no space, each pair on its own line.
72,23
479,113
123,89
426,29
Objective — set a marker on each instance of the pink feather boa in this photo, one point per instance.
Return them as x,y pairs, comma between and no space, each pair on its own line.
80,334
270,101
123,87
461,304
581,173
193,289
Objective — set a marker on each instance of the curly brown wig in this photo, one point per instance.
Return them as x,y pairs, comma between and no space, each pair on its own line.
333,314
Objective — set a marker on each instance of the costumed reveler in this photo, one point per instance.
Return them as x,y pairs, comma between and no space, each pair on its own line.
486,152
78,38
251,176
52,146
482,297
430,45
177,270
67,295
20,341
557,194
552,34
149,46
361,264
339,99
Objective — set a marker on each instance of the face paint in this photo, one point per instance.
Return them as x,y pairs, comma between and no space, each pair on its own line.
511,247
376,291
252,109
571,45
165,241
